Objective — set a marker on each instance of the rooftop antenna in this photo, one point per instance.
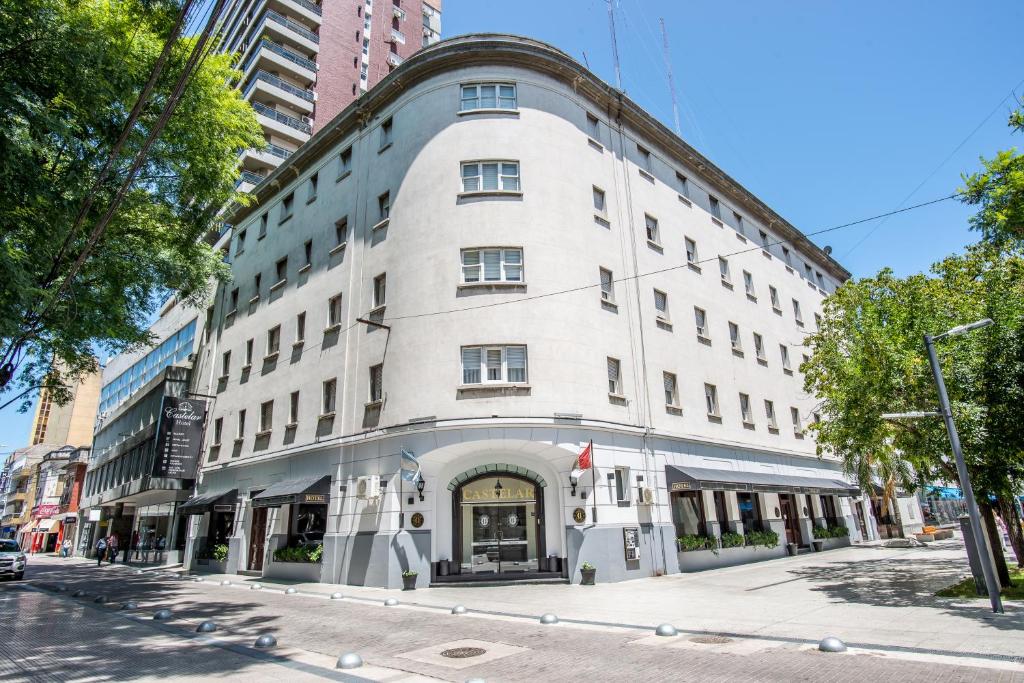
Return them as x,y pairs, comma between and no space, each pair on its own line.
671,81
615,45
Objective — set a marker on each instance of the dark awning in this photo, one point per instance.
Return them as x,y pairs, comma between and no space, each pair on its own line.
698,478
305,490
207,502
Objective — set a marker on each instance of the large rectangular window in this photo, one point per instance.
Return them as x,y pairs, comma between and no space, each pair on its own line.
607,285
688,513
492,265
376,383
330,394
493,364
750,511
490,176
488,96
614,376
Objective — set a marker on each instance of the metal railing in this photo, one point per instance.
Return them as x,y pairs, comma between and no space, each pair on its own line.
282,118
277,150
311,6
249,177
398,36
282,51
293,25
268,77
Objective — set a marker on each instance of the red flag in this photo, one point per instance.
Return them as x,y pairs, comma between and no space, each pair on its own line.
583,460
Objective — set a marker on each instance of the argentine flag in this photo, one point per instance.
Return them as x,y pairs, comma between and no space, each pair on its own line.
410,466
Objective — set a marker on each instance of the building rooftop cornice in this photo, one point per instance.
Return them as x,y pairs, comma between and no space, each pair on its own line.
511,50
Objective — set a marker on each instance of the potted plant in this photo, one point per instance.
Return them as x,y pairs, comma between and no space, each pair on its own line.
820,534
588,571
220,552
409,580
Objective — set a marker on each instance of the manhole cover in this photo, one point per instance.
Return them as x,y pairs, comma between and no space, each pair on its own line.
463,652
711,640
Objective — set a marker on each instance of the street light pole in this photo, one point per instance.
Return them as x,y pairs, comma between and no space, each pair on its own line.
980,541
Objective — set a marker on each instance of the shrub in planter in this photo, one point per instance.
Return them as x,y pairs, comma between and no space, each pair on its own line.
409,580
831,532
220,552
730,539
694,542
767,539
302,553
587,572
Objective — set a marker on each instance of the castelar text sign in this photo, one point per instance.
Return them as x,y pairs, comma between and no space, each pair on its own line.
518,493
179,434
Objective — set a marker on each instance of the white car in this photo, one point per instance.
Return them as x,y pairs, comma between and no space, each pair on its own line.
12,559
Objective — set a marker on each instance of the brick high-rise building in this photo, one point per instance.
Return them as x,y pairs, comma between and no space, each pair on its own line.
303,62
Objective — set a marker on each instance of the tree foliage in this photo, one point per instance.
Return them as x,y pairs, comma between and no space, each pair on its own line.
999,192
70,71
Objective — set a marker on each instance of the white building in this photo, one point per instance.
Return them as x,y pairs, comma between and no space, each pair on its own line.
488,261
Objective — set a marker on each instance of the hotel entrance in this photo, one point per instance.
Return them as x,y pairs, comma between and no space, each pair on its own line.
499,525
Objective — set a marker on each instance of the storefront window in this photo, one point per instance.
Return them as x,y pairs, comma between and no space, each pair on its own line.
688,510
750,511
308,525
721,511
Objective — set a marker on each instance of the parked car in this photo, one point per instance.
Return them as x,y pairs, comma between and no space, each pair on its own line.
12,559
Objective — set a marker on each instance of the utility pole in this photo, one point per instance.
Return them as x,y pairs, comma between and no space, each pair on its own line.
671,81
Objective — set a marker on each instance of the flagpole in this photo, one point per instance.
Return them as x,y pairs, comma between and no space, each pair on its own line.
593,468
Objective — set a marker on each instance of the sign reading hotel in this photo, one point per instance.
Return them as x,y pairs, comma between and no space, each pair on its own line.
179,435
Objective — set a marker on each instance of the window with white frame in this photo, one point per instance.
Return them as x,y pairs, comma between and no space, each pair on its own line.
671,389
380,284
701,318
376,383
798,426
748,284
493,364
734,337
797,315
341,231
652,228
329,396
225,364
240,433
599,201
488,96
716,207
334,310
711,399
293,408
614,376
745,413
218,431
773,294
784,354
266,416
661,305
691,252
759,346
738,219
723,269
273,340
622,488
384,206
769,413
498,264
300,328
490,176
248,352
607,285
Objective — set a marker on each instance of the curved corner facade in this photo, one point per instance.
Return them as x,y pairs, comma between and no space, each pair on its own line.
483,265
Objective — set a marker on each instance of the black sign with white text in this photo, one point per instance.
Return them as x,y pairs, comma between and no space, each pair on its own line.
178,438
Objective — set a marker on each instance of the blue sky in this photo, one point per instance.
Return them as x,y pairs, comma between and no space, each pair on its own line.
828,111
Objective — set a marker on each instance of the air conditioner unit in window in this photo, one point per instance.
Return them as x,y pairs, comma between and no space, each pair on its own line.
647,496
368,488
306,119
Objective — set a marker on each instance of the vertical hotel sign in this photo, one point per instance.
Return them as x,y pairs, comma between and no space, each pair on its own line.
179,435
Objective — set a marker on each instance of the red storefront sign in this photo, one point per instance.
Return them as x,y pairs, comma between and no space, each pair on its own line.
45,510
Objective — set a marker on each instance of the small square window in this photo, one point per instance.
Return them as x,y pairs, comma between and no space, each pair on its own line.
386,132
313,180
345,162
287,207
661,304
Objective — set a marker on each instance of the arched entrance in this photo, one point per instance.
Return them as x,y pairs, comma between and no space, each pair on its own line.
498,522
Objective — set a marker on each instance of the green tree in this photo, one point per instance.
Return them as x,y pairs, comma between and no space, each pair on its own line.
999,192
869,359
70,71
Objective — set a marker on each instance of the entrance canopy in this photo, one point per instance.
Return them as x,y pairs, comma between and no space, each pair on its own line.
45,526
207,502
703,478
305,490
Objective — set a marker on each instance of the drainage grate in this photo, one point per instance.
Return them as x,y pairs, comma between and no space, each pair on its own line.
711,640
463,652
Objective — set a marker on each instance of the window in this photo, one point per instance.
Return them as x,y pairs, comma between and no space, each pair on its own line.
334,311
293,408
493,364
607,285
385,133
281,268
701,317
723,268
263,226
817,321
807,271
784,354
380,284
721,510
313,179
798,427
248,353
300,328
716,207
797,315
593,126
786,257
341,231
240,243
614,376
622,484
759,346
330,394
739,222
256,282
765,242
488,96
682,185
384,206
671,389
750,511
240,434
748,284
773,294
376,383
225,364
734,337
691,252
645,159
769,413
492,265
711,399
234,301
820,278
490,176
266,416
745,414
307,253
273,340
688,511
344,162
287,206
661,304
599,200
652,228
218,430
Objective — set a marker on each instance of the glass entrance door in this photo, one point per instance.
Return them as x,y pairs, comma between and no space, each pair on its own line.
499,536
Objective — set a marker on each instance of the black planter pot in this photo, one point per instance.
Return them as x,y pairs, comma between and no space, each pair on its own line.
442,568
588,577
409,583
818,545
791,548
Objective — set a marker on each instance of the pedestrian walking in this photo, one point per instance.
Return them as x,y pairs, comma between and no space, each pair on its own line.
112,548
101,550
65,548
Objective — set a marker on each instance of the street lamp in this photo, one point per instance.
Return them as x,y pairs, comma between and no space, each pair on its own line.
961,467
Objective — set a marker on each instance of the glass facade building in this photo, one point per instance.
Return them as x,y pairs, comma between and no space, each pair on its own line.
174,349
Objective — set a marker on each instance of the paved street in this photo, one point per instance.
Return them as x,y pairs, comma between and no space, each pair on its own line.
403,643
